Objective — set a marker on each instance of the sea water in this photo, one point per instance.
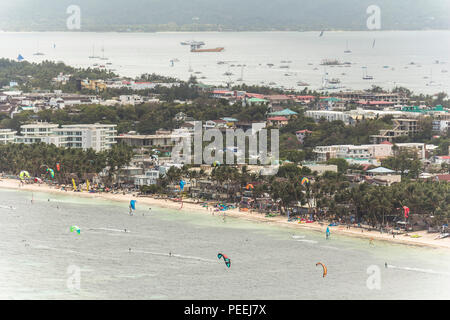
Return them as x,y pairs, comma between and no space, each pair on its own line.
385,55
172,254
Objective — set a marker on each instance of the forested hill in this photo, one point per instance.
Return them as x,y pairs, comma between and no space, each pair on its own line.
229,15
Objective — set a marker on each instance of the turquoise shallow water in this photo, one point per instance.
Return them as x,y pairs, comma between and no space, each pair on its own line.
267,262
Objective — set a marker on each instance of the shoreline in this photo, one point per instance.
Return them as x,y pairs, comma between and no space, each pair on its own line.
425,239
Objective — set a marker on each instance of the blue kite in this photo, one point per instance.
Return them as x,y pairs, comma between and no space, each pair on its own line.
182,183
133,204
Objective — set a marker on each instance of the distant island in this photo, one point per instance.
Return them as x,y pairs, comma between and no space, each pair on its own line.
232,15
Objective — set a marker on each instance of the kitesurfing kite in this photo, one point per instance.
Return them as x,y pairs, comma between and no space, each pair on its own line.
182,184
225,259
305,180
248,186
324,268
75,229
24,174
20,58
51,172
132,206
406,211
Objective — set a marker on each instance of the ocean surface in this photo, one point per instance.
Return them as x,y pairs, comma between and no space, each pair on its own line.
169,254
418,60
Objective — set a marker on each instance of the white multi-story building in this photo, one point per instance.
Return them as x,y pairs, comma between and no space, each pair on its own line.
96,136
329,116
368,151
38,129
150,177
7,136
441,125
36,132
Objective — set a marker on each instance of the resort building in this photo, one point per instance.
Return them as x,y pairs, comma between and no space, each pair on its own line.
36,132
150,177
7,136
97,136
278,121
402,127
352,152
302,134
329,116
161,140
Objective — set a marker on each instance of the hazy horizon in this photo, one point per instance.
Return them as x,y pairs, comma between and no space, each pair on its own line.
234,15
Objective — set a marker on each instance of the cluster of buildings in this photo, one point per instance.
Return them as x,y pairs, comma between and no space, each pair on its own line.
14,102
370,154
97,136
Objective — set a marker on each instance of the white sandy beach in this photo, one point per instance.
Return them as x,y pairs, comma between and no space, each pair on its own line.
425,239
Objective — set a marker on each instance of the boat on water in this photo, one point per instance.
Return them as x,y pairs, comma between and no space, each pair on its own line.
330,84
103,55
198,48
365,75
242,74
302,84
334,81
284,67
38,53
220,49
347,50
330,62
190,43
93,54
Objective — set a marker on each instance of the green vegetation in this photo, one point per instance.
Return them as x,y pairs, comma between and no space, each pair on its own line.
75,163
39,75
